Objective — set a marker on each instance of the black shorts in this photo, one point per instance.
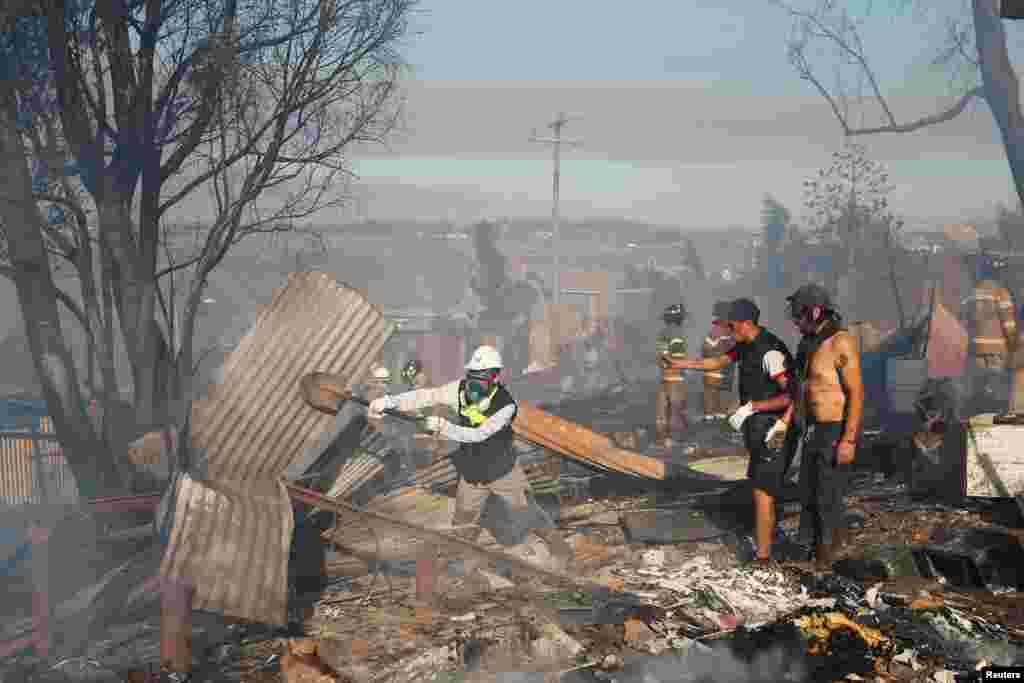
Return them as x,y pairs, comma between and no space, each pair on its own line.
767,468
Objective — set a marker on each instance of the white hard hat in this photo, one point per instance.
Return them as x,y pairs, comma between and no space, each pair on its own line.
485,358
381,373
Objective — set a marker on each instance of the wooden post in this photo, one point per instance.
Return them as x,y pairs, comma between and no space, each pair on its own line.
176,626
39,535
426,573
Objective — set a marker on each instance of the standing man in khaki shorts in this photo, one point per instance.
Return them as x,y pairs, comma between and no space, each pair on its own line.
486,461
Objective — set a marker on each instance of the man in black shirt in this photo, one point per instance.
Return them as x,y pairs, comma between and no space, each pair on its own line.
764,369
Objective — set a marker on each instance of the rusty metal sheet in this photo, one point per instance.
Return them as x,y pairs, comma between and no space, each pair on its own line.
28,459
232,522
253,423
230,541
16,481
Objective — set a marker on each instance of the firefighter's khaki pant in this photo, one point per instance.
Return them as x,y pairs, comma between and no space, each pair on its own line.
670,405
717,401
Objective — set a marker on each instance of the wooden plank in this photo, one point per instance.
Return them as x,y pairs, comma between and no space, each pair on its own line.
574,440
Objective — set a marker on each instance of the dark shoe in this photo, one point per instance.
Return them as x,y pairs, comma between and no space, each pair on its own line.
823,556
839,539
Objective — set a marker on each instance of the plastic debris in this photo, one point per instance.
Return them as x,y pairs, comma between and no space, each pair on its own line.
654,558
909,658
554,642
821,626
871,596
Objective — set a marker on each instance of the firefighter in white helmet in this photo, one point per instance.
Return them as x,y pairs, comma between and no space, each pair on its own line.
486,461
377,384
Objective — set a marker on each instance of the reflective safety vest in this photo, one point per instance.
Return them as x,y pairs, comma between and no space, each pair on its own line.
474,412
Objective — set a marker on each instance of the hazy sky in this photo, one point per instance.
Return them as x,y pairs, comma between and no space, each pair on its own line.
690,113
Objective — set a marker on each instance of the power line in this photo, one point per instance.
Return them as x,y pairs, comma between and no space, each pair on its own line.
556,142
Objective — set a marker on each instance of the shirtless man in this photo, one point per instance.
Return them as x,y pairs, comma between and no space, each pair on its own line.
829,408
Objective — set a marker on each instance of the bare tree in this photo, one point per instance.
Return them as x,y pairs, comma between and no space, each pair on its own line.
849,207
974,53
125,109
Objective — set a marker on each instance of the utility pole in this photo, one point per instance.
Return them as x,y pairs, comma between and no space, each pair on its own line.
556,142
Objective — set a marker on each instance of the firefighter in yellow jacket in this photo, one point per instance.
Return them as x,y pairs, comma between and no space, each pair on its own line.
718,341
670,400
995,328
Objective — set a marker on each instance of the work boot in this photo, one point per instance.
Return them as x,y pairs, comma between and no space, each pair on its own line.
823,557
839,539
470,562
825,553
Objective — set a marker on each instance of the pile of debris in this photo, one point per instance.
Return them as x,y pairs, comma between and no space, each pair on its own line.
723,596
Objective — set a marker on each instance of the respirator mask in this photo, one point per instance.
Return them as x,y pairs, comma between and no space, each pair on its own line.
479,384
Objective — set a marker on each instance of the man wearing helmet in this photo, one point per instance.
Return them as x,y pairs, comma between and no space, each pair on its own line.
995,332
415,377
764,369
486,460
671,396
414,374
718,341
828,409
377,385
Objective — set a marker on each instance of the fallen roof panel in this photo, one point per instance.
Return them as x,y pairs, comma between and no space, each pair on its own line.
232,520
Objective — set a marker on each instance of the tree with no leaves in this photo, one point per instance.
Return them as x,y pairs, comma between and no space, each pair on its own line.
974,53
849,208
111,115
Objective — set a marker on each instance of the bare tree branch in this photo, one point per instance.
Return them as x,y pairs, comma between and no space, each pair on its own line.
843,32
923,122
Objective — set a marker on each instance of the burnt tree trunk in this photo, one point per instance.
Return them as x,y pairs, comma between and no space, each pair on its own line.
92,464
1001,86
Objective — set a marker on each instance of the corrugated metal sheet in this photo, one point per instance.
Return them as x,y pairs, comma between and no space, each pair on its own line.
20,478
993,462
16,480
232,519
254,422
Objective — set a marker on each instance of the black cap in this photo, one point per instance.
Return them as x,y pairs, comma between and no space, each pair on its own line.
811,295
744,309
720,311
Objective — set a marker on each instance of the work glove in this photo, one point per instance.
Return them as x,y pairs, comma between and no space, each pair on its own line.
776,435
740,416
436,424
378,406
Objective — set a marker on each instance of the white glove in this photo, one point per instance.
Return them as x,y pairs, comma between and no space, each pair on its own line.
776,435
378,406
436,424
740,416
